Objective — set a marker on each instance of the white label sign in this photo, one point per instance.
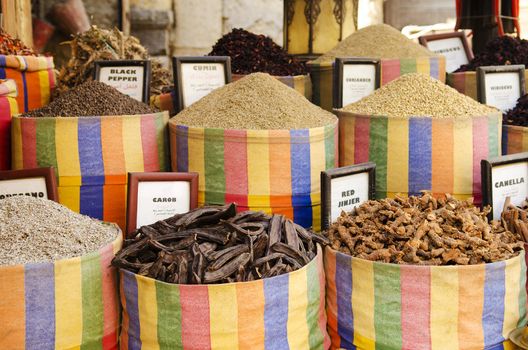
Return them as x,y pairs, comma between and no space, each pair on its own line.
127,79
452,49
199,79
359,80
348,192
509,180
159,200
34,187
502,90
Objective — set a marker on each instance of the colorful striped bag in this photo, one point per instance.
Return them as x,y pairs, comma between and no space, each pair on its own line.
34,76
8,107
282,312
441,155
276,171
92,156
514,139
466,82
300,83
323,74
67,304
373,305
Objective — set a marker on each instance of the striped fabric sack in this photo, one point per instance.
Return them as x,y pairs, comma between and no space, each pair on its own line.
373,305
8,107
322,75
300,83
276,171
421,153
34,77
92,156
466,82
164,102
514,139
282,312
67,304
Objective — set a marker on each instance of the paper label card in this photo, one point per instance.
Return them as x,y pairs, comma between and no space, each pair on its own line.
33,187
359,80
452,49
500,86
199,79
129,77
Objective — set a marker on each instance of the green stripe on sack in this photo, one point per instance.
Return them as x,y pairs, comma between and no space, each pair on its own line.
329,146
407,65
316,338
387,306
493,136
214,166
46,152
522,294
92,303
162,136
169,316
378,153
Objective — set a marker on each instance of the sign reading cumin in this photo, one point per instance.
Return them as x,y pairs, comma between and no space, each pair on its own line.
130,77
355,78
504,177
454,46
500,86
156,196
38,183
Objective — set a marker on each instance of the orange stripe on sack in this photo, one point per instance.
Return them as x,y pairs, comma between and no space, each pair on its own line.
251,315
442,156
12,307
470,306
113,153
280,172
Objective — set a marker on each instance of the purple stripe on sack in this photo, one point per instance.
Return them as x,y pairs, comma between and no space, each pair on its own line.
182,148
2,67
493,311
24,84
420,163
130,289
91,202
276,312
434,68
301,176
345,317
90,151
39,283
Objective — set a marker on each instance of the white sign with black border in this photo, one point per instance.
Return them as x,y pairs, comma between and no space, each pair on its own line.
453,46
500,86
355,78
130,77
37,183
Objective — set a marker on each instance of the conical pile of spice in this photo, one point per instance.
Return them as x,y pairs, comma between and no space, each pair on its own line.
257,101
416,95
13,46
376,41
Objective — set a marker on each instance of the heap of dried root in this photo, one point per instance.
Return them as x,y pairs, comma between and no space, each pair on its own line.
102,44
515,218
423,231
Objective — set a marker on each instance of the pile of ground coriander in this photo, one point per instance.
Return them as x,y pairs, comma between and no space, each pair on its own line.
257,101
34,230
376,41
418,94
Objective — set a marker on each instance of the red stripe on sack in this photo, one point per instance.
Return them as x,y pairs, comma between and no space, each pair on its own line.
235,167
331,297
361,140
109,296
149,141
390,70
322,315
195,320
480,151
29,142
125,322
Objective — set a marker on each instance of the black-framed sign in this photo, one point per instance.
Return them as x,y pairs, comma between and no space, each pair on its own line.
454,46
502,177
38,183
131,77
500,86
158,196
343,189
195,77
354,78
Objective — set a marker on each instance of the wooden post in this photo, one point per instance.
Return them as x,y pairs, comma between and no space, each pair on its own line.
17,20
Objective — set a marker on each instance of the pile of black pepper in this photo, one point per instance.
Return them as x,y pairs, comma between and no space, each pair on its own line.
251,53
503,50
518,115
91,98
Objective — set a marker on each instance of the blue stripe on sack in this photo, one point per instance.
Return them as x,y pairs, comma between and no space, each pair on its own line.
420,163
130,289
2,67
173,99
301,176
434,67
24,84
504,140
91,202
493,312
182,148
496,347
276,312
90,151
39,284
345,316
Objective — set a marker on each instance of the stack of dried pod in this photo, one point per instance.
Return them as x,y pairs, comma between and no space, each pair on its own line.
423,231
217,245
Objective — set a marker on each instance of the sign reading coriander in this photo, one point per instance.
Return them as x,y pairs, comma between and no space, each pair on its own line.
354,78
343,189
195,77
38,183
130,77
454,46
500,86
503,177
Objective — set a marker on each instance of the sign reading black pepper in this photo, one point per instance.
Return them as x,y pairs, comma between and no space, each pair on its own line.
130,77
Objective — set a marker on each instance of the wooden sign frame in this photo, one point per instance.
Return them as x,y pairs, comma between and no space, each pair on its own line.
339,65
47,173
147,69
481,78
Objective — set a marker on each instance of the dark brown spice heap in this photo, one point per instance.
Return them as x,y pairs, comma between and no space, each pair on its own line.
251,53
518,115
423,231
217,245
503,50
515,218
12,46
91,98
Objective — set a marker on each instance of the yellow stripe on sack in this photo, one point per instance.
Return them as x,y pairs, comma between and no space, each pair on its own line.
258,159
70,196
13,105
223,314
511,296
463,159
16,142
363,304
195,144
423,65
44,87
316,211
68,303
398,155
148,313
444,308
297,327
347,127
67,150
132,149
